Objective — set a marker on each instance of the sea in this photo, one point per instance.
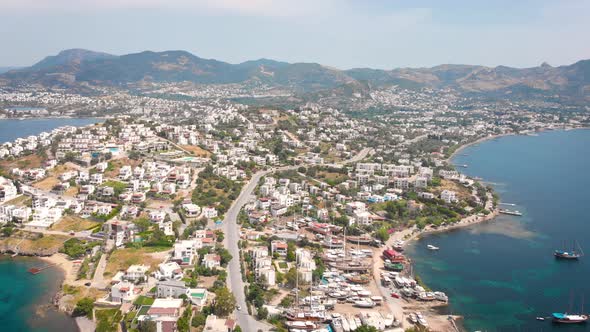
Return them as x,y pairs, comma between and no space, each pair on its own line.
11,129
25,299
501,275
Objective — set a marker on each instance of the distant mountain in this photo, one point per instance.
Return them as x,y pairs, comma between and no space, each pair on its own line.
77,67
5,69
69,58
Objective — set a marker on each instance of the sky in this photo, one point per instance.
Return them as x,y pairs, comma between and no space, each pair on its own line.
343,34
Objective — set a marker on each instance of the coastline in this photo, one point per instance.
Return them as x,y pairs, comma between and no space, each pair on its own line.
477,141
43,311
437,320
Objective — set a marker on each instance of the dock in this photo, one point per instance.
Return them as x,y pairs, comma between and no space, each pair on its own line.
511,212
37,270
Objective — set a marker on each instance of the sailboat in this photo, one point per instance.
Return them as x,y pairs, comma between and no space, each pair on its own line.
567,318
575,253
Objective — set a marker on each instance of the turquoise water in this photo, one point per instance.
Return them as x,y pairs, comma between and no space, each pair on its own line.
25,298
502,274
11,129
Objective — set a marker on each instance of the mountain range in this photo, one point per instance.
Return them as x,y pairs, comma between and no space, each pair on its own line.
77,67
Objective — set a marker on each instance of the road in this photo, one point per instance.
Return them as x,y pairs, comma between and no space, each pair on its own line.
232,236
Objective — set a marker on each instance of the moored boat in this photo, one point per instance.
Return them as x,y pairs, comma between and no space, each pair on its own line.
565,318
431,247
575,253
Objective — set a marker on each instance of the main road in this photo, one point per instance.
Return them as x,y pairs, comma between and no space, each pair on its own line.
232,236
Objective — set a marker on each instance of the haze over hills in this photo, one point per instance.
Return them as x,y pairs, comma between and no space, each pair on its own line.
71,68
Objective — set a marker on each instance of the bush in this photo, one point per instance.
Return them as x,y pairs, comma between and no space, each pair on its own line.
84,307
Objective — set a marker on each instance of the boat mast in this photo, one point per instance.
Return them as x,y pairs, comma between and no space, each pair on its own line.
297,281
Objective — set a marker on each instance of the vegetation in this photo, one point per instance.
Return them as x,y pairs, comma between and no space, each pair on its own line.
224,302
108,320
76,248
215,190
84,307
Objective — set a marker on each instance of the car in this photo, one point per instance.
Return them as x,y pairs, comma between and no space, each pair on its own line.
87,284
239,308
395,295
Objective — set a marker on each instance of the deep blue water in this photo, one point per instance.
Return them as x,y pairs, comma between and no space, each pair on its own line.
11,129
501,275
25,298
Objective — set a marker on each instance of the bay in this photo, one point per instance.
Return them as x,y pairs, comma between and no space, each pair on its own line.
502,274
25,299
11,129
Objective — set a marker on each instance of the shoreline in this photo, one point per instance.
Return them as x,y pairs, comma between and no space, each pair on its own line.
477,141
491,137
45,308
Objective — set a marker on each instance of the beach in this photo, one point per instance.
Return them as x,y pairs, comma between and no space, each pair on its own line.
27,298
68,267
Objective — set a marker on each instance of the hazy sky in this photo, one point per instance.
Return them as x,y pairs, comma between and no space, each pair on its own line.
339,33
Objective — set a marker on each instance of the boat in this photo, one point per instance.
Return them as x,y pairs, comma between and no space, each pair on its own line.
352,324
575,253
345,325
358,279
301,325
362,239
565,318
413,318
431,247
540,318
305,315
364,304
396,267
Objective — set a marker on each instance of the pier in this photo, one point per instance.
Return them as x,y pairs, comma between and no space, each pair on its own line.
510,212
37,270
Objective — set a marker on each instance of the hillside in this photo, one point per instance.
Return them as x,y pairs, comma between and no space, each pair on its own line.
74,68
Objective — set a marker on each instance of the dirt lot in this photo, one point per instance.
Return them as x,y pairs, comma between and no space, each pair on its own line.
74,223
33,243
462,192
117,164
31,161
121,259
197,151
46,184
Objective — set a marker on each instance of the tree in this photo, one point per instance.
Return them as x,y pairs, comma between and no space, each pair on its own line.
290,277
224,255
147,326
366,328
84,307
224,302
291,252
262,313
183,323
382,234
237,328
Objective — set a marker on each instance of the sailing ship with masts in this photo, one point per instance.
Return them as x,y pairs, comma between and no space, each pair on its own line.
575,252
568,317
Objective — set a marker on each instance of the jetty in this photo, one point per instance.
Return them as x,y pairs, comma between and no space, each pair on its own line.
37,270
511,212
